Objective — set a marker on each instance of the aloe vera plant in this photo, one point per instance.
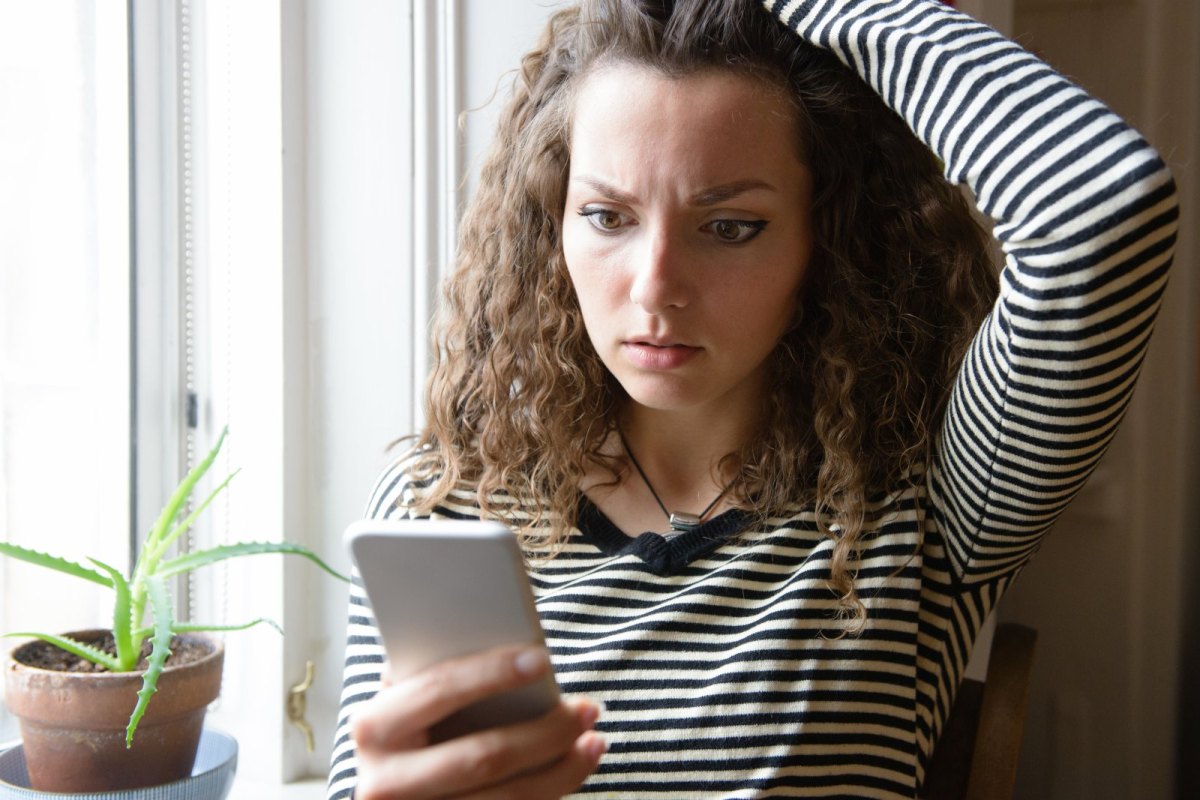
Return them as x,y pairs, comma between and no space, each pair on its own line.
145,589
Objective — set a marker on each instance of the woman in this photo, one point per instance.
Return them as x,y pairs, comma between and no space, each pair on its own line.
714,289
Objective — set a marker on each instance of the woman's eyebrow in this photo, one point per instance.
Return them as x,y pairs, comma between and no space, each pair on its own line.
705,197
727,191
607,189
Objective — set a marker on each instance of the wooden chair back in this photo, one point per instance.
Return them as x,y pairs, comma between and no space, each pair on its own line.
976,756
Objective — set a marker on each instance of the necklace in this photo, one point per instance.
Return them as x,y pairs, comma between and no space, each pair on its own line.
680,522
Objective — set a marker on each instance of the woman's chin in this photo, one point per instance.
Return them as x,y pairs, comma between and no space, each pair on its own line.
657,396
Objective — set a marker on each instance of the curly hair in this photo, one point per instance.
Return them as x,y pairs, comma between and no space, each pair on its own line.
519,403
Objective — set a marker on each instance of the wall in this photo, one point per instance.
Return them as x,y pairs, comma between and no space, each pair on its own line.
1107,590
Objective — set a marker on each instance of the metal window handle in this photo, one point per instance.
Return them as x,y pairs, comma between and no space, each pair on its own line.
297,705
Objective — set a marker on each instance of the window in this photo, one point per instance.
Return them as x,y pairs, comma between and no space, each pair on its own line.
64,305
293,178
272,241
304,329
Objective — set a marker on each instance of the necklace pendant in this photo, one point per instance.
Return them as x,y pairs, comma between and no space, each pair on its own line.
683,522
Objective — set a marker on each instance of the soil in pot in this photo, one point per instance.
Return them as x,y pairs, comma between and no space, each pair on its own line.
44,655
73,715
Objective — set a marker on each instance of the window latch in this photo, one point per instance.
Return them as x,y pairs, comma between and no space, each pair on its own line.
297,705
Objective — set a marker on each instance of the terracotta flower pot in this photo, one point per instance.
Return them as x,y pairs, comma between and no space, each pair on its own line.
73,724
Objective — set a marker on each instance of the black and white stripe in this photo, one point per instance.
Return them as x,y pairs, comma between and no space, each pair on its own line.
720,671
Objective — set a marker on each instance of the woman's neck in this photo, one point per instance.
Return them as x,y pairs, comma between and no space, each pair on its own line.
681,452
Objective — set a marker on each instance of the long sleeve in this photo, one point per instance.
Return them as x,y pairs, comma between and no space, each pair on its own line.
1085,212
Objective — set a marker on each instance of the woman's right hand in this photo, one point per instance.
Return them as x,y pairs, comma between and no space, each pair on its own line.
546,757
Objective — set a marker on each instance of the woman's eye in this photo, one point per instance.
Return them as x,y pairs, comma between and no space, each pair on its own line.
602,219
735,231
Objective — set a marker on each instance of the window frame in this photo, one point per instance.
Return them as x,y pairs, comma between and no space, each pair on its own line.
295,270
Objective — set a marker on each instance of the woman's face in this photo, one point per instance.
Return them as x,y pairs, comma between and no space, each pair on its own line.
686,231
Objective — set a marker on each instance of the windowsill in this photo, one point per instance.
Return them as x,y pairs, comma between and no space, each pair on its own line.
9,733
254,790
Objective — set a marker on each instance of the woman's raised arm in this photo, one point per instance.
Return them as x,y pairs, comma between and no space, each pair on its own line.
1086,215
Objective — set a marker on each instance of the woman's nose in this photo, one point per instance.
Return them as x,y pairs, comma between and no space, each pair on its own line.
659,274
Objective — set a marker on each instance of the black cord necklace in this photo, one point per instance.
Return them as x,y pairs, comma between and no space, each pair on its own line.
680,522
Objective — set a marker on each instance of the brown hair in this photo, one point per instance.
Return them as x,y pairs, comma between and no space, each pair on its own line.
519,403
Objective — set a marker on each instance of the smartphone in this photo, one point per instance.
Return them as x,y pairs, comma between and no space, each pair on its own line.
446,588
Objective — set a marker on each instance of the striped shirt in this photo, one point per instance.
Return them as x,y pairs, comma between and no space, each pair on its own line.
714,655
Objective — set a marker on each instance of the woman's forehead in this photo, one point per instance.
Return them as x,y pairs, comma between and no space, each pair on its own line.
631,118
619,94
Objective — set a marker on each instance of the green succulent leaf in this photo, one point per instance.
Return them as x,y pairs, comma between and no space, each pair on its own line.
158,532
86,651
156,540
202,558
53,562
187,523
203,627
122,626
195,627
160,604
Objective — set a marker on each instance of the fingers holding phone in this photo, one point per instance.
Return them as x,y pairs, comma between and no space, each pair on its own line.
548,756
403,714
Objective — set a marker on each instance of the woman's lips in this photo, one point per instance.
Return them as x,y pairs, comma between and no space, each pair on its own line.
662,357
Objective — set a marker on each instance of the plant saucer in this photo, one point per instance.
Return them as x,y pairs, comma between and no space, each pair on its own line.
211,779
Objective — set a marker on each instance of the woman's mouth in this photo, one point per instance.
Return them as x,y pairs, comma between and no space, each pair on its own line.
648,355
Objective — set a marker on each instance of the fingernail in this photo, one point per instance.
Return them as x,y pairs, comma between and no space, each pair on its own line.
532,661
365,735
596,746
588,714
